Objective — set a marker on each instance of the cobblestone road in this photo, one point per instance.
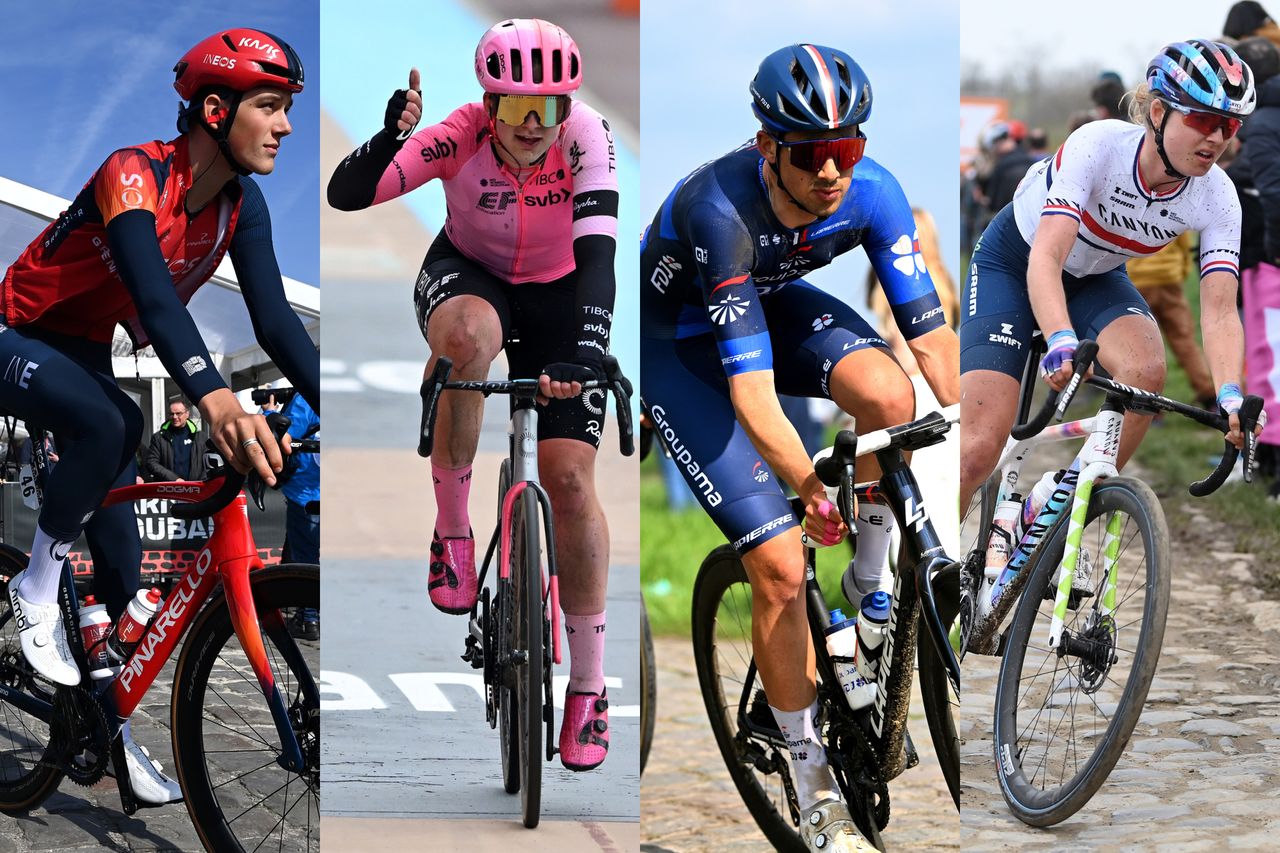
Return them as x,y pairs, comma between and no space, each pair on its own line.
688,804
76,818
1203,765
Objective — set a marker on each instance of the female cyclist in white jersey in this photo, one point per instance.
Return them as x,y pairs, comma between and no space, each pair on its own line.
1054,258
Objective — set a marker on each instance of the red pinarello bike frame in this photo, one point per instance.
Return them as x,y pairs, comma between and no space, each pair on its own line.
504,563
232,554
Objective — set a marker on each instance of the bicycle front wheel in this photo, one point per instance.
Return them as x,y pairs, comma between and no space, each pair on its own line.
526,582
1064,715
29,771
225,743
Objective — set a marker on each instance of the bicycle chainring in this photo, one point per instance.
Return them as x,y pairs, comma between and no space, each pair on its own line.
89,747
853,757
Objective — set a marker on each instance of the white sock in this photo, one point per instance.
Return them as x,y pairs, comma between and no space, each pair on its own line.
869,570
40,582
813,778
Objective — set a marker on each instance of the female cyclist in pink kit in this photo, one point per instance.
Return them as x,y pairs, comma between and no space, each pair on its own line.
525,259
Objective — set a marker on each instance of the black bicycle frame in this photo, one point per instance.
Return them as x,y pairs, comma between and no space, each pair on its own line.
924,552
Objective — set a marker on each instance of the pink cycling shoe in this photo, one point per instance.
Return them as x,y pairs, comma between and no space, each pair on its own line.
452,578
584,731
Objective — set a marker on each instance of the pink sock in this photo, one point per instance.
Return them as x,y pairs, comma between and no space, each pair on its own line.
452,487
586,652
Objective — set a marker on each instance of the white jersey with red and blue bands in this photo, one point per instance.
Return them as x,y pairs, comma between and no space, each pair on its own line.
1094,179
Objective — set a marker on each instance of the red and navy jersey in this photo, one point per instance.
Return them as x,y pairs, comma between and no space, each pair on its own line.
66,281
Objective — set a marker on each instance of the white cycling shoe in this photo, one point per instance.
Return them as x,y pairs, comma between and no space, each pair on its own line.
829,827
44,640
148,783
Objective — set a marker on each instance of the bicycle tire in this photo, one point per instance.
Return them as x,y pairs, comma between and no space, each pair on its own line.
504,690
648,686
28,774
526,568
940,702
236,717
762,793
1142,587
975,529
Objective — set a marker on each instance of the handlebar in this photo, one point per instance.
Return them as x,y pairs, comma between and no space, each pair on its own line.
1249,411
438,382
233,481
836,468
1055,406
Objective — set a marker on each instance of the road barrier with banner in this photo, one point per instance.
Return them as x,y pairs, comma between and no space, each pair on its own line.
168,544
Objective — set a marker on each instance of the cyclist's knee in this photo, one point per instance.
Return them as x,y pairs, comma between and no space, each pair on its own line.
979,453
570,483
895,404
1148,374
105,428
468,344
467,330
872,386
777,574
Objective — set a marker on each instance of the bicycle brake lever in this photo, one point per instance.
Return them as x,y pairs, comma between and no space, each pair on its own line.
256,488
1085,355
1250,412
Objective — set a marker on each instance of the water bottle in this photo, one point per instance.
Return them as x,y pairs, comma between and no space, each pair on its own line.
95,625
133,622
873,625
1000,543
842,646
1036,500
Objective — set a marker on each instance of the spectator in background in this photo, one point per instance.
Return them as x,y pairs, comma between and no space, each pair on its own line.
1038,143
1248,19
1106,95
174,453
1159,278
1256,174
301,490
1009,166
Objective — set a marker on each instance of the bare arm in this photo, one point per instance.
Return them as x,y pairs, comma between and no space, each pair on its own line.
938,355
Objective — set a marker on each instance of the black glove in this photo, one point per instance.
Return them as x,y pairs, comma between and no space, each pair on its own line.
395,109
573,371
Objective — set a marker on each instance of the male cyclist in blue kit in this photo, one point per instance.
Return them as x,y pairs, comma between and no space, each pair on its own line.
728,322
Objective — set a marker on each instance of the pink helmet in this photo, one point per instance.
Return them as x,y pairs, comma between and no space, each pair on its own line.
528,56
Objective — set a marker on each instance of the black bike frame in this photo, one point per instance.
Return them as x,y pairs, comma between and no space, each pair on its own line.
925,555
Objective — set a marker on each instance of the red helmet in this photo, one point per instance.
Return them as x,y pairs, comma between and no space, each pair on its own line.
240,60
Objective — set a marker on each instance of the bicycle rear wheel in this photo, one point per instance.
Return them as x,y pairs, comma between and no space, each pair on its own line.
941,703
225,742
1064,716
29,773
